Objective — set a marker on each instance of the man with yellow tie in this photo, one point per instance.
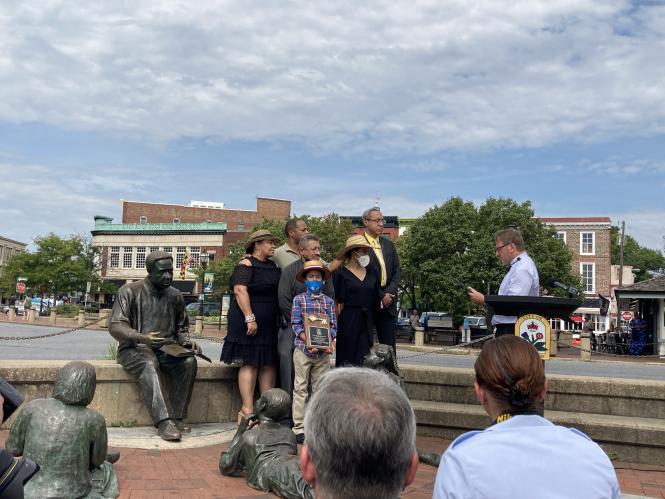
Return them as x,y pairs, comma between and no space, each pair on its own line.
385,263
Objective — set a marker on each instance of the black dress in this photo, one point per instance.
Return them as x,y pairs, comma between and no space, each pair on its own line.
354,324
259,350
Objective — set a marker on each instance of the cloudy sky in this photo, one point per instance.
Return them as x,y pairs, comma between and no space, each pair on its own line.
331,105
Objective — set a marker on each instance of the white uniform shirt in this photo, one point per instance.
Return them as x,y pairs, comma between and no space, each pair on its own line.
521,280
525,457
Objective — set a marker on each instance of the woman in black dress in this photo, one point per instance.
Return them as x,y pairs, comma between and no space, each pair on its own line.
253,320
357,296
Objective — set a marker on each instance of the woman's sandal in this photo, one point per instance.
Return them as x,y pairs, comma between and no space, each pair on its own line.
241,416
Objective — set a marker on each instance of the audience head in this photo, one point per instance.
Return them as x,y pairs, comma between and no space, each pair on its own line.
360,436
373,221
309,247
509,376
75,384
295,229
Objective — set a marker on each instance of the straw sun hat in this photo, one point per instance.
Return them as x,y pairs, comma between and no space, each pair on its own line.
352,243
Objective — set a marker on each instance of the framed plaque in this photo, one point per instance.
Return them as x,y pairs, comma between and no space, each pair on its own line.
317,332
536,330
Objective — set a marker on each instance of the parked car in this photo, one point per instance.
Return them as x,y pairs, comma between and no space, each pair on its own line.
477,326
208,308
439,327
18,308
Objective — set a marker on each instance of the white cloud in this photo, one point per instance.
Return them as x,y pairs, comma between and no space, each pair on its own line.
381,76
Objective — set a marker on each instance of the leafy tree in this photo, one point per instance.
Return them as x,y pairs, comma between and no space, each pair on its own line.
57,266
646,262
452,246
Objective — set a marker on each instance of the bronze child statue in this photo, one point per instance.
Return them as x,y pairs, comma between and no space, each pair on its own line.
267,451
66,439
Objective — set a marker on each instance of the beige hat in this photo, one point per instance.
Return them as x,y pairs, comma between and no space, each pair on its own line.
352,243
313,265
259,235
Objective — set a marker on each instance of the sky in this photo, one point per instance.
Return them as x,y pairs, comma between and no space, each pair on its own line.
333,105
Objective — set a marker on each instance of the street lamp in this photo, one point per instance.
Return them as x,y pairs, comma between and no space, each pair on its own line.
203,259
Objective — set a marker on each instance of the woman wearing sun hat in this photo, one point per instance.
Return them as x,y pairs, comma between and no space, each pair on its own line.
253,319
357,296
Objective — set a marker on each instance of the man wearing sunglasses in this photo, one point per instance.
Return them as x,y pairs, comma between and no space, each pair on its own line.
521,279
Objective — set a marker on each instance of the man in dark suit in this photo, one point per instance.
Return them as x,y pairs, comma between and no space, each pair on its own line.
385,262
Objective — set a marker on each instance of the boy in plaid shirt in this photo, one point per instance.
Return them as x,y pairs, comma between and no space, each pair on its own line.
309,363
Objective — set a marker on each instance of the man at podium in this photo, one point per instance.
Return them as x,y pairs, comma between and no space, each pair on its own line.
520,280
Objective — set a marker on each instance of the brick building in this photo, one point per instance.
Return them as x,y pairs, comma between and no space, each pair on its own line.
9,248
589,242
238,222
125,246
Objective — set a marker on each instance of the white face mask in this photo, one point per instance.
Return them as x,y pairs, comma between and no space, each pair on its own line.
363,260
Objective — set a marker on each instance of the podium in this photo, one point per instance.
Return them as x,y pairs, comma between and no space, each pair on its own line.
533,314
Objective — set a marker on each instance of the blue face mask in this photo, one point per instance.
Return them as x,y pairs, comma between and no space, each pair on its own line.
313,286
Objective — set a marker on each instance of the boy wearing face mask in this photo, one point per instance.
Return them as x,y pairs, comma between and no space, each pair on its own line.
309,364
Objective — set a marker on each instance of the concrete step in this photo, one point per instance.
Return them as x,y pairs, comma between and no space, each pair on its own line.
639,440
586,394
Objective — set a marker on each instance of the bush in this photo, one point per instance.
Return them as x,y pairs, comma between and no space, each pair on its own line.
67,310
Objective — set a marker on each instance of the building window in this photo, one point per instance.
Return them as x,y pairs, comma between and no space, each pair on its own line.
127,254
588,271
241,227
143,219
169,250
561,235
140,257
194,254
114,257
587,243
153,249
180,256
176,220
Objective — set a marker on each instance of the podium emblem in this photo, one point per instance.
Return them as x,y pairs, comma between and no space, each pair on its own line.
536,330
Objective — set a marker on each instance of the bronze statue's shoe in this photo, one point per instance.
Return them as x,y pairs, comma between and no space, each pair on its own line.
182,426
168,430
112,455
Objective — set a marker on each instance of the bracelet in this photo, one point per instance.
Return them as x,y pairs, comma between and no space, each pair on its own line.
250,318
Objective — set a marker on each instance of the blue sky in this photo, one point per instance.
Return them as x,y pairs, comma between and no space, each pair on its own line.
331,105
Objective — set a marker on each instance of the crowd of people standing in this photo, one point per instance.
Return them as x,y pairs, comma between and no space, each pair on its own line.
272,290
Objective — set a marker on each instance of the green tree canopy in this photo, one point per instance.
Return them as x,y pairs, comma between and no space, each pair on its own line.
452,246
58,265
331,230
648,262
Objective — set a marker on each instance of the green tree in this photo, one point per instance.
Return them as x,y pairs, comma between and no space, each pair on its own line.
646,262
58,265
452,246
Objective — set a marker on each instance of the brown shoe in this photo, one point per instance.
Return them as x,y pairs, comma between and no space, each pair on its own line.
168,430
182,426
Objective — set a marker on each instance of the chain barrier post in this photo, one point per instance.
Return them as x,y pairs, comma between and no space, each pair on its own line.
52,317
419,340
104,317
585,346
554,343
199,325
12,313
81,318
31,315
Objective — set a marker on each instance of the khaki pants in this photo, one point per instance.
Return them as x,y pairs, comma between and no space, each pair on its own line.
305,368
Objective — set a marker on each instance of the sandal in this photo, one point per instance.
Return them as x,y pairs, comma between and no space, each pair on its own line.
241,416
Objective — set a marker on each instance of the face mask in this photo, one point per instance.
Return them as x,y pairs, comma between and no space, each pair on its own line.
363,260
313,286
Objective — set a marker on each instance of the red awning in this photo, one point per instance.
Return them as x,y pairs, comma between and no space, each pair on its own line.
576,318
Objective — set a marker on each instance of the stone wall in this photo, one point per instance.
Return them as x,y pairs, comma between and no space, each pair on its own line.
215,397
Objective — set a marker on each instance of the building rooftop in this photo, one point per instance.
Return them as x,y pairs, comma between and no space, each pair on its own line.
576,220
105,226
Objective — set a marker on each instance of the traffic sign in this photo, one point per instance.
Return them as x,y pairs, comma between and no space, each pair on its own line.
627,315
20,287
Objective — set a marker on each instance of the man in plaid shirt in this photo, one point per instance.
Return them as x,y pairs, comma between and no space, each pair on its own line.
309,364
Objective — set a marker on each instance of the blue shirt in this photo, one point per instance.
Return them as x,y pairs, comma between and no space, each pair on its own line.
521,280
306,303
525,457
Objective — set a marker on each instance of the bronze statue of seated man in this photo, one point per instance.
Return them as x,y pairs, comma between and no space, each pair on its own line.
147,315
67,440
267,451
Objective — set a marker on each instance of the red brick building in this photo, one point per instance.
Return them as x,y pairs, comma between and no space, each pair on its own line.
239,222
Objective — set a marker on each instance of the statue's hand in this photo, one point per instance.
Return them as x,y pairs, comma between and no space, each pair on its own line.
192,345
153,340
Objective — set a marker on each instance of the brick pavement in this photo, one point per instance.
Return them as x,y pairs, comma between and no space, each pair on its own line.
193,474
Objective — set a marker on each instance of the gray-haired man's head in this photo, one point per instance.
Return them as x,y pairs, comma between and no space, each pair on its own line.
360,436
